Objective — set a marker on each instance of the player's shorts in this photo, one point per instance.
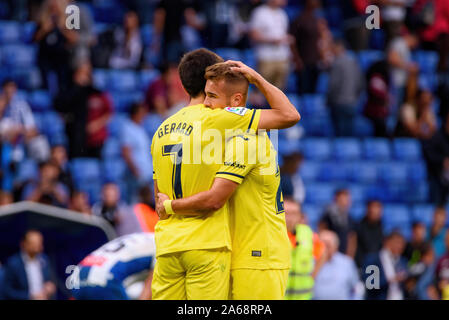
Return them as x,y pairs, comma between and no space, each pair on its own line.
255,284
192,275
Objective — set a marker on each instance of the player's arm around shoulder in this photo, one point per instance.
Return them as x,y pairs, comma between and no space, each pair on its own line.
199,204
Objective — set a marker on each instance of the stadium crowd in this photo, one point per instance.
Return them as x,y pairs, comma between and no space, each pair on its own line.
368,164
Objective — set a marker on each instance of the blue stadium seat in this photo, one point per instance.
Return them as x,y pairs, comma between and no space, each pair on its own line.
147,33
314,104
229,53
313,214
309,171
100,78
9,32
322,83
146,77
27,78
334,16
357,193
396,216
319,193
377,149
151,123
111,149
292,83
347,149
427,60
377,39
393,173
357,212
428,81
417,172
362,127
85,170
295,99
368,57
405,149
27,170
292,11
115,124
122,80
317,149
19,55
363,172
27,32
333,172
249,58
416,193
318,126
52,124
40,100
114,170
423,213
92,188
124,100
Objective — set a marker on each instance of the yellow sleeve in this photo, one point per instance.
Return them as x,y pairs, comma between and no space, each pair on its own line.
153,158
239,118
240,158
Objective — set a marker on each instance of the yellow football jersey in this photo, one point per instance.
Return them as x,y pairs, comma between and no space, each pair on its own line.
258,229
188,150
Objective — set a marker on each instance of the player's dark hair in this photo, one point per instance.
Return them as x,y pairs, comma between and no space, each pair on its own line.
8,81
135,107
193,67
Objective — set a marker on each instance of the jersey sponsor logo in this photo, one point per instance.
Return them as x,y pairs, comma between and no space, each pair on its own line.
256,253
235,164
237,110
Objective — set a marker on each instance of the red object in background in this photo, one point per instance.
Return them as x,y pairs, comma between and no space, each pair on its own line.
90,261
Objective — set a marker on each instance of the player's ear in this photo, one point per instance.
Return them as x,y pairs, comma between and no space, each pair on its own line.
237,100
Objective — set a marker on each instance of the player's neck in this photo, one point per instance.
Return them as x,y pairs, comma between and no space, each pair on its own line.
196,100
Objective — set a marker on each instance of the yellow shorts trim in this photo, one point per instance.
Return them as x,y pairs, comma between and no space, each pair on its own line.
192,275
254,284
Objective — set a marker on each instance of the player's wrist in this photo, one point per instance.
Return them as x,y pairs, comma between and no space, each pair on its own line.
168,207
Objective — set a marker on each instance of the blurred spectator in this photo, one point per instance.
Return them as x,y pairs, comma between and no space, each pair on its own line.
437,231
414,248
432,18
307,253
220,15
436,154
59,157
79,201
47,189
336,218
166,92
378,89
393,17
111,208
305,30
417,119
402,65
128,51
86,36
135,146
56,43
27,274
18,127
369,231
442,272
392,267
338,278
5,198
268,31
325,45
86,111
419,284
345,87
354,28
169,17
144,210
291,183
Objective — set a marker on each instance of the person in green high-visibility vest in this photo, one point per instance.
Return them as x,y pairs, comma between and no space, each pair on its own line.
307,253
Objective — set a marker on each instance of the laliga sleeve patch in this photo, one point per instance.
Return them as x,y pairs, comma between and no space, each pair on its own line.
237,110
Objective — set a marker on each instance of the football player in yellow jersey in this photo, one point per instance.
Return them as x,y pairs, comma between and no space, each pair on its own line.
260,245
193,252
